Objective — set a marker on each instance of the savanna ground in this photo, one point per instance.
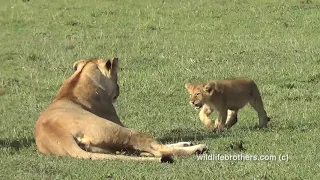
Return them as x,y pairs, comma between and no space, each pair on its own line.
162,45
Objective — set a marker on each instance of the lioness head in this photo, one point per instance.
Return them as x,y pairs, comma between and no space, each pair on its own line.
196,95
101,73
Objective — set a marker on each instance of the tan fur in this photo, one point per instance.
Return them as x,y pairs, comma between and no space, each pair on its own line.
82,121
227,97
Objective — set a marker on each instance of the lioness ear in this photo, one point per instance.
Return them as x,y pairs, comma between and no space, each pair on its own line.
108,65
115,63
112,64
78,65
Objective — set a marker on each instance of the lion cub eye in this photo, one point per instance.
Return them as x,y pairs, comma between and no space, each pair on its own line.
198,94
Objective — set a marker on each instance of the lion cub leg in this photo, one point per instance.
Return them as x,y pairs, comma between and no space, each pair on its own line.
204,116
257,104
232,118
263,118
221,120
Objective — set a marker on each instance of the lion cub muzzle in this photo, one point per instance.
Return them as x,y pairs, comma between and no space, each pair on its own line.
197,105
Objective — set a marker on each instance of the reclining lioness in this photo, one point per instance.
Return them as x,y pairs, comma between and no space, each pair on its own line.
82,121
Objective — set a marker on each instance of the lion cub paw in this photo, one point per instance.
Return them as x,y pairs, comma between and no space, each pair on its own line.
218,129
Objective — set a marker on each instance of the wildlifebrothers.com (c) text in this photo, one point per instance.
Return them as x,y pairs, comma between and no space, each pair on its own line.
241,157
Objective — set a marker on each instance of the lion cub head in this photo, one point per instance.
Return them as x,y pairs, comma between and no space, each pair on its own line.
100,73
201,92
196,94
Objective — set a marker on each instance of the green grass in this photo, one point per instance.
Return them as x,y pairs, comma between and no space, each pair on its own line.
161,46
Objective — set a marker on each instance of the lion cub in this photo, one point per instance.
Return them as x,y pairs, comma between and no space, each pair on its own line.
227,97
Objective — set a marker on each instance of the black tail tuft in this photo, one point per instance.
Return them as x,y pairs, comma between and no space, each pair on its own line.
166,159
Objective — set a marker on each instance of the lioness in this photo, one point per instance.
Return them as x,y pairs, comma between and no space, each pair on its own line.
227,97
82,121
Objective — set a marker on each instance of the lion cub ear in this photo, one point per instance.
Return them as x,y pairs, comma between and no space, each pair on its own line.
188,85
210,87
213,86
112,65
78,65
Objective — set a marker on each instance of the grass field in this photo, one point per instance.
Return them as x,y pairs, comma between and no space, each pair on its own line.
161,46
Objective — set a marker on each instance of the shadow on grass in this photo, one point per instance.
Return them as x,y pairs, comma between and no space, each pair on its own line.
180,134
16,144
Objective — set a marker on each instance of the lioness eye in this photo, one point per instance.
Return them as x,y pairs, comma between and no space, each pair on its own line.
198,94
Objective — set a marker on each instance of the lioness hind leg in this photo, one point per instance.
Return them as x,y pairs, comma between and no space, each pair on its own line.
232,118
180,151
257,104
79,153
184,151
145,143
175,145
180,144
121,138
62,143
75,151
